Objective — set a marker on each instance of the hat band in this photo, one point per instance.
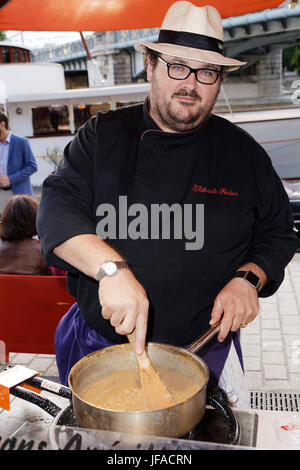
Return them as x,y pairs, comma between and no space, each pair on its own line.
198,41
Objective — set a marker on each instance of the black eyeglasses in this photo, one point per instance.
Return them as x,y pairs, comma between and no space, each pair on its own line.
205,76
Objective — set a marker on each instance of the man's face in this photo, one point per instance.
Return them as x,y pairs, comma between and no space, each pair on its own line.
2,129
180,105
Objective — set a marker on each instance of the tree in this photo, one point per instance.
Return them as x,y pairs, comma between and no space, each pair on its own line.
291,58
296,58
2,35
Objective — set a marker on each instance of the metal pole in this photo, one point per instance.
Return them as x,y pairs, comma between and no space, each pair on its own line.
85,46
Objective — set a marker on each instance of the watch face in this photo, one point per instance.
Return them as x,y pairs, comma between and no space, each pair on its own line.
252,278
110,268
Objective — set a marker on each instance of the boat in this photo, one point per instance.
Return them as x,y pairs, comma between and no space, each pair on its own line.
278,131
42,109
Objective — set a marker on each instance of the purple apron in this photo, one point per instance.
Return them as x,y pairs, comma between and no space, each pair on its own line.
74,339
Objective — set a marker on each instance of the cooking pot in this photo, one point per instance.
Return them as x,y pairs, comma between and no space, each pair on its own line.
174,421
171,422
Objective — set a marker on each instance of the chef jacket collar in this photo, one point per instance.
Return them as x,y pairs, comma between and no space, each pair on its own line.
148,121
150,124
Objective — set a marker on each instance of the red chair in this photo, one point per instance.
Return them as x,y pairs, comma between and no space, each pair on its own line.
30,310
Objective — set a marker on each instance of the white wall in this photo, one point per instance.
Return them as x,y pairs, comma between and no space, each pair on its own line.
20,124
32,78
39,146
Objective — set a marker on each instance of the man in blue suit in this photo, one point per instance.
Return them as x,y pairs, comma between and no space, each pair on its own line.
17,163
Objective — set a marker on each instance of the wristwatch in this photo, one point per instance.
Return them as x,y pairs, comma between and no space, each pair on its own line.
110,268
249,277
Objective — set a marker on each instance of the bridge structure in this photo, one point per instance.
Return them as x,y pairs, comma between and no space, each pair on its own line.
248,37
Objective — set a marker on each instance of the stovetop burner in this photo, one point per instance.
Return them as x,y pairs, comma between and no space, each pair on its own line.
210,434
212,428
219,426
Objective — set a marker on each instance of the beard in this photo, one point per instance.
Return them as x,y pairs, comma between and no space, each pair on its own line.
182,118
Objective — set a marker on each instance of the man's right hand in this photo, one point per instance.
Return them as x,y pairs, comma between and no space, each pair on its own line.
123,299
125,304
4,180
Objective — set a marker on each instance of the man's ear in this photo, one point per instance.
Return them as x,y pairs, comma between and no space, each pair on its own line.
149,68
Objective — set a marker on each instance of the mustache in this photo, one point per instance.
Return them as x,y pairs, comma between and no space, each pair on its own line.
191,93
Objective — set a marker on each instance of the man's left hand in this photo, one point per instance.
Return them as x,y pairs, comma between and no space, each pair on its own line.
238,303
4,180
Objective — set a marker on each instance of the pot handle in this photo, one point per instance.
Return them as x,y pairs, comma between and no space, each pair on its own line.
200,342
218,399
36,399
49,386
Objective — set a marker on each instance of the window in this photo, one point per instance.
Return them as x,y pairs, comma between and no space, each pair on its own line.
15,55
5,55
51,120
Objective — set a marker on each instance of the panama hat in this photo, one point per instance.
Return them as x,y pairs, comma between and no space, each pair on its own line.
192,33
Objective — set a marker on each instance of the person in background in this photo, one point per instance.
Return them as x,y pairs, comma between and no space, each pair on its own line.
17,163
20,249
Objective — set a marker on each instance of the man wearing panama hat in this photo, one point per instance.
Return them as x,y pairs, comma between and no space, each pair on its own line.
183,50
170,152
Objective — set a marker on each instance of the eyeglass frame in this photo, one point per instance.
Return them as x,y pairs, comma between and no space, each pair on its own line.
191,70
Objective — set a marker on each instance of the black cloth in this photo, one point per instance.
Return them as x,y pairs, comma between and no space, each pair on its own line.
247,216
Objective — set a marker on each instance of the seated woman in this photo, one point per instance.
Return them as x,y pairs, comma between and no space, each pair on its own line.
20,250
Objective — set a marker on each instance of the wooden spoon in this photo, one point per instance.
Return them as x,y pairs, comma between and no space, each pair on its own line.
156,394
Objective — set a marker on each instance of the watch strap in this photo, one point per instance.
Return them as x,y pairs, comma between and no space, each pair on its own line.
121,264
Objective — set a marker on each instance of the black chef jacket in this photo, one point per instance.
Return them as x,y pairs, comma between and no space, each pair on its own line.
247,216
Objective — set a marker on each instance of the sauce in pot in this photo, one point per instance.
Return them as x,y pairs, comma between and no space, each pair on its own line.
122,391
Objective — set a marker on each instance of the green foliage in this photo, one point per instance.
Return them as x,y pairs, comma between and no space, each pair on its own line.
2,35
53,156
291,58
296,58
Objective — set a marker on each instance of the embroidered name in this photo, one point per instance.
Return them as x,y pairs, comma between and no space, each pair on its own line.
222,191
